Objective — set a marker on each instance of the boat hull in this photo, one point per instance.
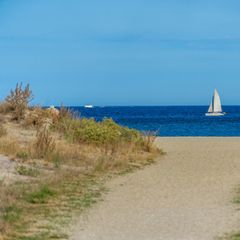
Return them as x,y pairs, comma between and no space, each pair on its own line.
216,114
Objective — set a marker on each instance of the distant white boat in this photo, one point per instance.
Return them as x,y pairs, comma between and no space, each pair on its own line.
215,108
88,106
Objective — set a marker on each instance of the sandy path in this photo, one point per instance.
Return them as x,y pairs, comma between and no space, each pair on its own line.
186,196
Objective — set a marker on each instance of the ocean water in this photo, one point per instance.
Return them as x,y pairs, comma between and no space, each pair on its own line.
170,120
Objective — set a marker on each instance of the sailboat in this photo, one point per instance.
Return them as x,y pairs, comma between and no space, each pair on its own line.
215,108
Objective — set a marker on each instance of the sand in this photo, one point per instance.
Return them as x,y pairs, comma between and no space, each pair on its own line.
7,169
187,195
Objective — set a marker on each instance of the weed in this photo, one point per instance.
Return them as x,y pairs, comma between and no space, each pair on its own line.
23,155
18,100
11,214
56,159
26,171
44,144
40,196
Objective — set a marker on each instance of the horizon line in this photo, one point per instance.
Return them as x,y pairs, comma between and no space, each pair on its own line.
102,106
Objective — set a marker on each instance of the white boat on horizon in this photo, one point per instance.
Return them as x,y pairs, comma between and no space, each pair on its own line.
88,106
215,108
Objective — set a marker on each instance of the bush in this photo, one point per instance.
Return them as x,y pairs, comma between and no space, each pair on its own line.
106,134
18,99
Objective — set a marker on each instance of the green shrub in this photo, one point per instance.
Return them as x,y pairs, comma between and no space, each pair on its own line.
107,135
92,132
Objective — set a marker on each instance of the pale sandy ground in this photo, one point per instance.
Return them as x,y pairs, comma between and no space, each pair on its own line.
185,196
7,169
8,172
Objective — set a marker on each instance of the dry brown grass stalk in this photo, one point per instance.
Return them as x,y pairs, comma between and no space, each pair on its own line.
44,144
18,99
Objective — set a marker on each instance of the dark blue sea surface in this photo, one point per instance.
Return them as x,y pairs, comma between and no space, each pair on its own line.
170,120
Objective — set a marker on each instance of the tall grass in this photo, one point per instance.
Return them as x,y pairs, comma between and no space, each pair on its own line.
17,101
67,152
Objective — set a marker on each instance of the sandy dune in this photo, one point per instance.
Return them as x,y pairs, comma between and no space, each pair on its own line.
185,196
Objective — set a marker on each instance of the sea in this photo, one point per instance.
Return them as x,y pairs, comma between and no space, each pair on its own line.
169,121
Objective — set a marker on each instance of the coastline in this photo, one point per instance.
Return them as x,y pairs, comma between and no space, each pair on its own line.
187,195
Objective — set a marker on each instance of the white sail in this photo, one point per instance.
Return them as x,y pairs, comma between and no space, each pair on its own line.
217,107
210,110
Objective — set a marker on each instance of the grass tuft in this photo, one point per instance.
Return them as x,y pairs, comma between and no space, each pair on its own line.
40,196
11,214
28,171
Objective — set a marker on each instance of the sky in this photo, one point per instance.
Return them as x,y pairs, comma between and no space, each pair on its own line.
128,52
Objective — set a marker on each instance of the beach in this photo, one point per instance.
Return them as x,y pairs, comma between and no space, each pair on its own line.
187,195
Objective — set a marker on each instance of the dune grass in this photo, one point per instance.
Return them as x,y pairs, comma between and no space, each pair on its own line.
64,162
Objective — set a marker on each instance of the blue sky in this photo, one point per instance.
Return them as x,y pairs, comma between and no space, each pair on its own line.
128,52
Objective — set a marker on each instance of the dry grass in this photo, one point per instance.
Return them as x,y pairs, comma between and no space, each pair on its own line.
17,101
9,146
44,144
65,160
67,181
36,117
42,207
3,131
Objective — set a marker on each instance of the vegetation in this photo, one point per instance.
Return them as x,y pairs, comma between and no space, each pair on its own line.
44,144
28,171
65,160
234,235
17,101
